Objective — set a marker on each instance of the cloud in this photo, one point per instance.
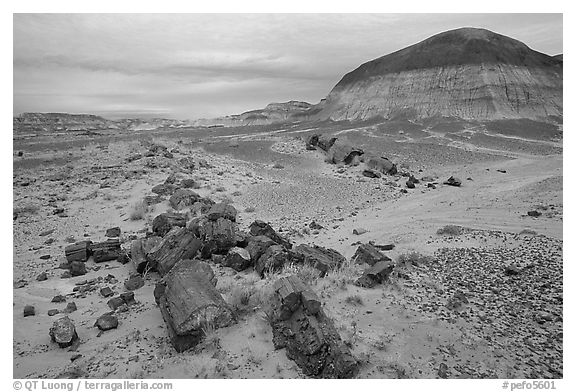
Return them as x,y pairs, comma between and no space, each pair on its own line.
201,65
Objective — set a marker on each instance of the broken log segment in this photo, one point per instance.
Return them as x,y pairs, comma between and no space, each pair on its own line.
139,250
322,259
177,245
369,254
163,223
300,325
190,303
80,251
106,250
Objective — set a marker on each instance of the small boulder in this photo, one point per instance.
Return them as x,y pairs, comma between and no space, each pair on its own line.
42,277
70,307
53,312
63,332
534,213
29,310
222,210
359,231
113,232
106,292
410,184
106,322
77,268
238,259
371,173
369,254
453,181
183,198
376,274
58,299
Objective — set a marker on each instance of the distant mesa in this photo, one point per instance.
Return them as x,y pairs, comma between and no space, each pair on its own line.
467,73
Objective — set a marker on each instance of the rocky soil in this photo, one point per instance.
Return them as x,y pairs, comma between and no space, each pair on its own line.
482,299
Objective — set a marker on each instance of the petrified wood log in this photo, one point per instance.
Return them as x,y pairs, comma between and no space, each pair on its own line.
80,251
177,245
369,254
300,325
375,274
190,303
259,227
163,223
107,250
322,259
140,248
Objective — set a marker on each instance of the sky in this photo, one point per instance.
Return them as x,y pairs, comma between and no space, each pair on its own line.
188,66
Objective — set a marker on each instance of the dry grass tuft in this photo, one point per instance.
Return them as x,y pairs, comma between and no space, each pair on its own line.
139,210
450,230
414,258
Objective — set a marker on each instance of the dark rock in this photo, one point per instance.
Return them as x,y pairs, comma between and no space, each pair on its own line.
65,275
134,282
80,251
410,184
238,259
115,303
113,232
381,165
369,254
359,231
106,292
340,152
258,228
42,277
274,259
106,322
63,332
501,171
46,232
222,210
45,257
534,213
309,336
77,268
413,179
123,258
53,312
383,247
315,226
29,310
322,259
164,189
183,198
70,307
371,173
188,183
325,142
512,270
312,142
164,222
58,299
128,298
258,245
187,163
375,274
152,199
453,181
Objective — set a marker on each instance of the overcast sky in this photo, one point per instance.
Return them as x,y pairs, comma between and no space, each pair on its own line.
193,65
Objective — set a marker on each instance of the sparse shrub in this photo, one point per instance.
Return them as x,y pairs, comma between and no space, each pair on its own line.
139,210
450,230
306,272
342,276
211,337
240,296
414,258
355,300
